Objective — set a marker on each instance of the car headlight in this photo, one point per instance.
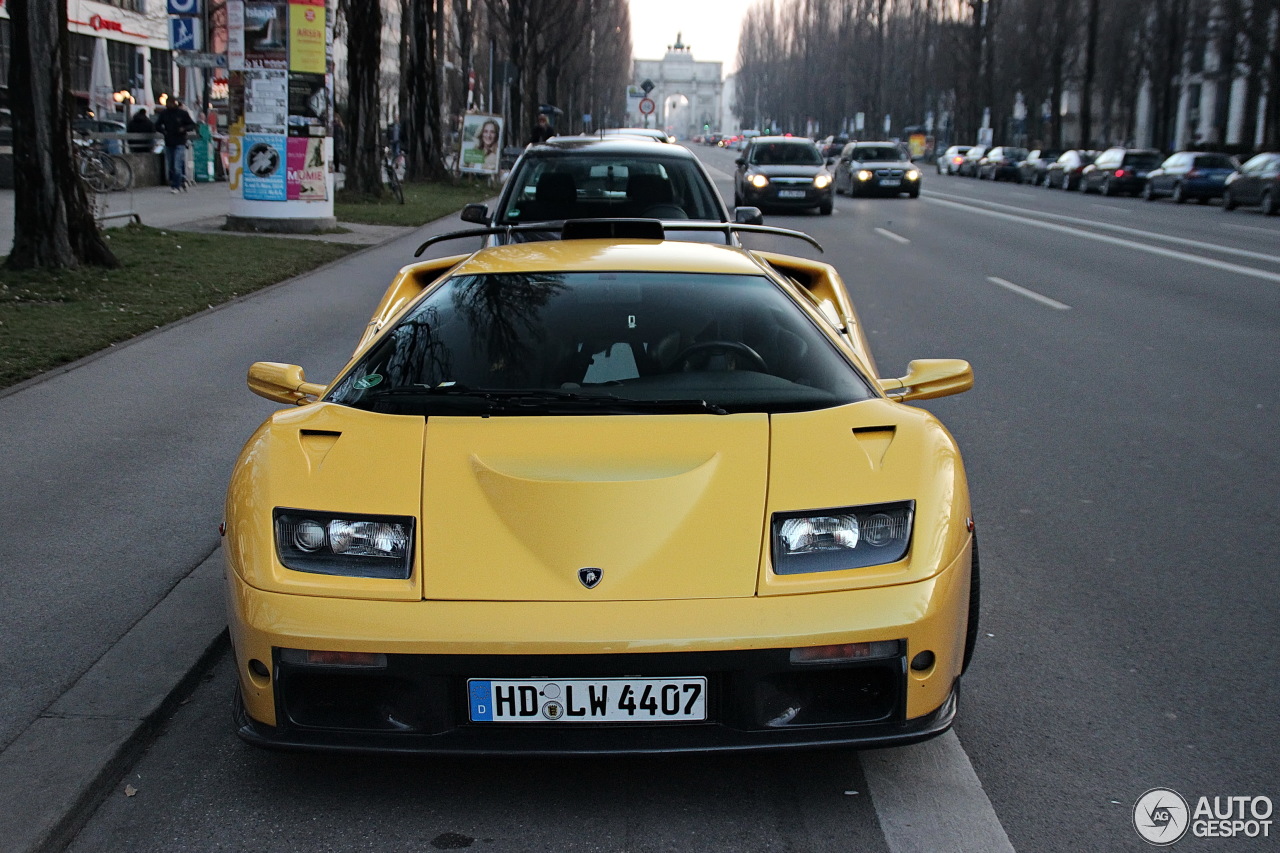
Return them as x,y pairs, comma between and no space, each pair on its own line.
822,181
864,174
759,181
838,539
361,546
913,175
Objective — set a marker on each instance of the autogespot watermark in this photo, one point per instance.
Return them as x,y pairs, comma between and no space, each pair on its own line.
1162,817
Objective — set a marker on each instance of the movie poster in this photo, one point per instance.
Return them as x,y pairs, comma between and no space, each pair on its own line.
307,169
266,33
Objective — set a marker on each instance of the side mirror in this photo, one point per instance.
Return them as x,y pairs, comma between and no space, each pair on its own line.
928,378
748,216
477,213
741,161
282,383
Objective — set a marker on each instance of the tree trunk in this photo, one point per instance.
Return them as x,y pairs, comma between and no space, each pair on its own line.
364,60
1090,72
54,227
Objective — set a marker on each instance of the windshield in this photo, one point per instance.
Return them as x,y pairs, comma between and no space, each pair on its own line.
785,154
602,186
882,154
558,343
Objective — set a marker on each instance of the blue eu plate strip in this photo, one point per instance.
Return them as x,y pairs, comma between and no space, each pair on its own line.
481,701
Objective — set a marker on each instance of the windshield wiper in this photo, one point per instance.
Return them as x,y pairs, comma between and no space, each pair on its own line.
547,399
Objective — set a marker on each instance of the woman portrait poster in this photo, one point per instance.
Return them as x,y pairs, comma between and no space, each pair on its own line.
481,143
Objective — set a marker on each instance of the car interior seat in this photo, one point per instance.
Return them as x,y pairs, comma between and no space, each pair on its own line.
555,196
651,197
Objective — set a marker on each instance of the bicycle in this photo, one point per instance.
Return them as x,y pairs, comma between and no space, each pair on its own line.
391,167
101,171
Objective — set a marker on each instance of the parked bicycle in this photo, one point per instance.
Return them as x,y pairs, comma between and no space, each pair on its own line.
101,171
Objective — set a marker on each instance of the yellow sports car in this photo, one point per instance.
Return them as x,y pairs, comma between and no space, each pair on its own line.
602,494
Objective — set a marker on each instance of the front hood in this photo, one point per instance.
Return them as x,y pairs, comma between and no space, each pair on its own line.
875,165
662,508
786,171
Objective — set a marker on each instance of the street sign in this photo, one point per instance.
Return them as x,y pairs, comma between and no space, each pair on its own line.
201,60
647,106
184,7
184,34
647,85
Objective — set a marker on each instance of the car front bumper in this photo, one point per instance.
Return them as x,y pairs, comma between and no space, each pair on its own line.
757,698
803,196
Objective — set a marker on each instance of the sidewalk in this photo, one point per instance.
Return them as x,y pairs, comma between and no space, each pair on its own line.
204,207
131,449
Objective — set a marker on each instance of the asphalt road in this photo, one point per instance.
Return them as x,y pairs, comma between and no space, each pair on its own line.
1121,448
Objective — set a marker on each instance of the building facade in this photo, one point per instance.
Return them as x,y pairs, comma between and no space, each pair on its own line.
688,95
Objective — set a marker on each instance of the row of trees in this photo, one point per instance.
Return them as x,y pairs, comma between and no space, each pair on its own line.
572,54
826,60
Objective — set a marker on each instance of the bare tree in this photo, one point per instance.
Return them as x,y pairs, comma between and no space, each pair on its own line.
55,228
364,61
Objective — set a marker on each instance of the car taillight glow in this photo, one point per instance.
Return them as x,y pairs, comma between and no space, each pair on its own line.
1120,173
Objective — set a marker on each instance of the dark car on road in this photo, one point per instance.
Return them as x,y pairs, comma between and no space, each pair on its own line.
968,167
1120,171
1190,174
1064,173
574,177
782,171
1001,163
833,145
1032,169
876,168
951,159
1257,182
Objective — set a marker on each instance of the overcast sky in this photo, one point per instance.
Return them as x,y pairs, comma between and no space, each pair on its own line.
709,27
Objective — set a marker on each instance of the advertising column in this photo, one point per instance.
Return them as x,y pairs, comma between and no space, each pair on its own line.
278,55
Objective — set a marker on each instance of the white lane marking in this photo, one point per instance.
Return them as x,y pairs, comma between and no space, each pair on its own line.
928,799
1030,294
1116,241
1151,235
882,232
717,173
1249,228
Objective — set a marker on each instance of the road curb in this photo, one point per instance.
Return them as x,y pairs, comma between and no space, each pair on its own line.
54,774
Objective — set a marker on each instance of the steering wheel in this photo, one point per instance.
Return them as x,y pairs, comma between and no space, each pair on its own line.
755,361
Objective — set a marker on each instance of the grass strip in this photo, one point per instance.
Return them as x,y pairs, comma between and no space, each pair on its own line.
423,203
50,318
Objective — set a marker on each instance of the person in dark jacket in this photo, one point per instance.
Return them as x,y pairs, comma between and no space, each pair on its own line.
542,131
175,123
140,123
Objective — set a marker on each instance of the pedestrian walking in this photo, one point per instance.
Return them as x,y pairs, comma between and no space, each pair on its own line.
141,123
175,123
542,131
339,142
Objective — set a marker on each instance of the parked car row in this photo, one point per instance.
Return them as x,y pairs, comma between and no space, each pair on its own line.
1144,172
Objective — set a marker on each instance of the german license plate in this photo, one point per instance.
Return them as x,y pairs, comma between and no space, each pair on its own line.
790,193
588,700
890,182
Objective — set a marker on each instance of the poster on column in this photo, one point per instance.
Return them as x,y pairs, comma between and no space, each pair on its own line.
308,105
266,101
264,167
235,35
266,31
307,169
306,36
